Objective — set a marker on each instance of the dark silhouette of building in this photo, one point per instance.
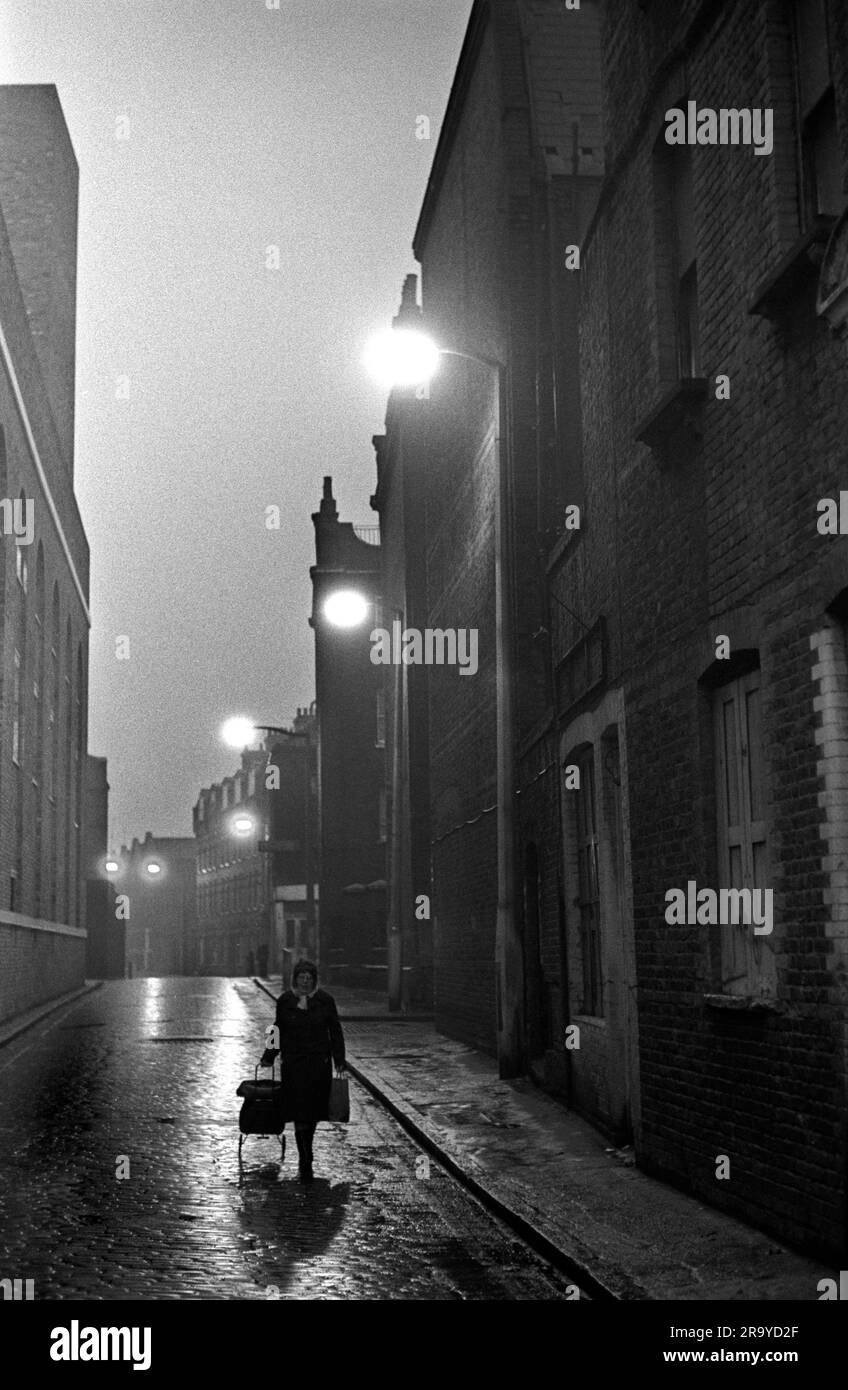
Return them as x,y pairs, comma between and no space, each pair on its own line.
105,957
400,500
156,897
44,615
350,741
474,480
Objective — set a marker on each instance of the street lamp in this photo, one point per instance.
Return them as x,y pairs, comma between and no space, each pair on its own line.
239,732
243,825
401,357
153,868
112,867
408,357
345,607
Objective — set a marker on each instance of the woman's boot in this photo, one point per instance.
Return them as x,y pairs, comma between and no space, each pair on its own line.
303,1136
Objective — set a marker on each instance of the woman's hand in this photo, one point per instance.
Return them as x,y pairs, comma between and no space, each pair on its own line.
340,1070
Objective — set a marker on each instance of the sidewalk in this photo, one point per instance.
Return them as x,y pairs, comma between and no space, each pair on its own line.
619,1233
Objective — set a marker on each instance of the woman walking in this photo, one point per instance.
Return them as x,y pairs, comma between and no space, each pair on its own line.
310,1039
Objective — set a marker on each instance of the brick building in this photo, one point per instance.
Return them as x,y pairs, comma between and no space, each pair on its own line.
155,897
514,179
679,653
399,500
350,753
44,615
703,692
294,841
232,877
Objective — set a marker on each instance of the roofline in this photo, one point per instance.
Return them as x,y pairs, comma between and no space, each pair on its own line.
478,20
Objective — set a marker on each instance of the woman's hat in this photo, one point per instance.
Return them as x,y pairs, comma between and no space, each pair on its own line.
301,969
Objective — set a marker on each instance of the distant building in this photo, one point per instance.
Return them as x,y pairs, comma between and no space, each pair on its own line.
106,944
44,614
294,845
155,895
233,878
351,744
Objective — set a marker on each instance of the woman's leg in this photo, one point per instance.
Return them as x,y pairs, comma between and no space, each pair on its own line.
303,1132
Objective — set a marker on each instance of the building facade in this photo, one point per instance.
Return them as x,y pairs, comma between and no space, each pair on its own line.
44,560
702,694
475,477
155,898
399,500
670,319
233,877
353,820
294,844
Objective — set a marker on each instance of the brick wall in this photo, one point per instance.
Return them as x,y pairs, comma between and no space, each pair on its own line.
44,585
39,963
716,533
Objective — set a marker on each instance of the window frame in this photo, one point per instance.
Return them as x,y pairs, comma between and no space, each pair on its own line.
739,945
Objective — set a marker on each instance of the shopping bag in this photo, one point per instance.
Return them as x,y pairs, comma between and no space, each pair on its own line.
338,1106
262,1106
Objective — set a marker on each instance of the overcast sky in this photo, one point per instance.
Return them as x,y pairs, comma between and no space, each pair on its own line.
248,127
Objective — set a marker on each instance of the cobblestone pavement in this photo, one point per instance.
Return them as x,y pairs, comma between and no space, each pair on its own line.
140,1077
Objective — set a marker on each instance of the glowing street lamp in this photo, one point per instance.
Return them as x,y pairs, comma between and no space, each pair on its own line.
401,357
153,868
112,866
239,732
243,825
345,608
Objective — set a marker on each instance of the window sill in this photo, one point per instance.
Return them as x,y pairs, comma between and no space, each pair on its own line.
741,1003
678,408
798,268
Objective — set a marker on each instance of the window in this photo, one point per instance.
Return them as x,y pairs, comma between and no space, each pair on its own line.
821,167
586,835
380,741
747,959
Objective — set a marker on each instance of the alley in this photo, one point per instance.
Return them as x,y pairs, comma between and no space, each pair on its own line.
139,1078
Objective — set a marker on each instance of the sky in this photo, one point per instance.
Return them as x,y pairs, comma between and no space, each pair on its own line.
215,377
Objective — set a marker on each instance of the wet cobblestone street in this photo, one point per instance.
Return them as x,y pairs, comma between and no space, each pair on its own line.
140,1075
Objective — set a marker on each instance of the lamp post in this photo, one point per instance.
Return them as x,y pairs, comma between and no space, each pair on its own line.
238,733
407,357
347,608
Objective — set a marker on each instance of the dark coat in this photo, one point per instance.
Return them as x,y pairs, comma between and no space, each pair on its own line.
311,1040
